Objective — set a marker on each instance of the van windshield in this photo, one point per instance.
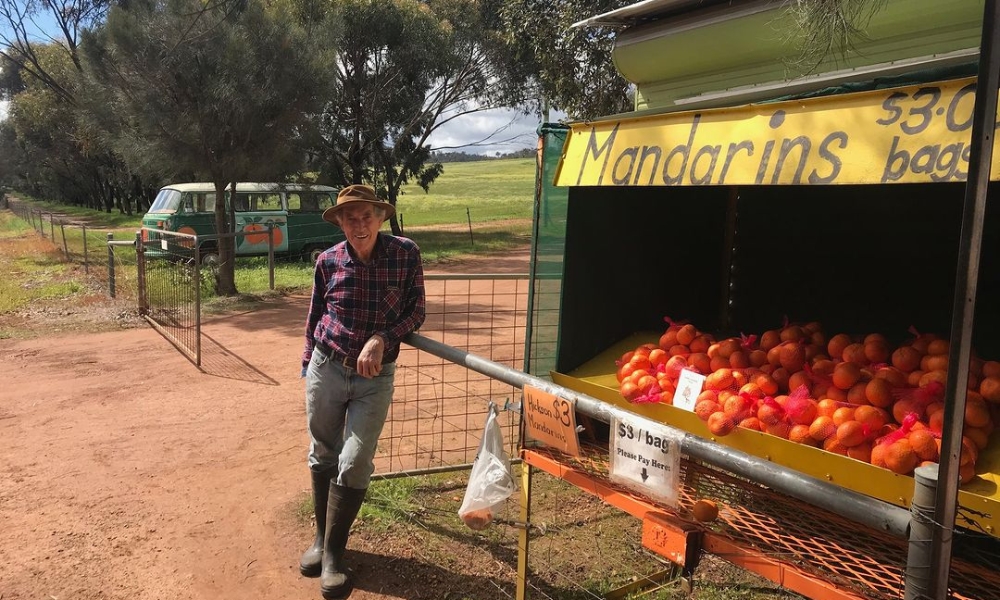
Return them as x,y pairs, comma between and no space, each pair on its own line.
167,201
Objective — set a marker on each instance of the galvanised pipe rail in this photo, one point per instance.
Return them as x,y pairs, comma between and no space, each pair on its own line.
859,508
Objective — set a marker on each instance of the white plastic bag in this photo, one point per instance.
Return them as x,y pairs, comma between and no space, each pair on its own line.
491,481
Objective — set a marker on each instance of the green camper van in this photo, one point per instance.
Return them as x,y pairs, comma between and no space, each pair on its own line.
295,211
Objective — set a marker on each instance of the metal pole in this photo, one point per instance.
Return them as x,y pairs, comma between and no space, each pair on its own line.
86,263
62,230
964,305
270,255
140,273
852,505
111,266
52,227
917,583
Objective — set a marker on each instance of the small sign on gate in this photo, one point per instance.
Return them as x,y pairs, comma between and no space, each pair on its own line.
551,420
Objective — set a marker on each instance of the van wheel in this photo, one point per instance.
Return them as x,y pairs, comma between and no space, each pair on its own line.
210,258
312,253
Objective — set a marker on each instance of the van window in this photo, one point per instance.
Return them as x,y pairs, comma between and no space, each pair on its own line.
198,202
206,202
309,202
257,202
167,201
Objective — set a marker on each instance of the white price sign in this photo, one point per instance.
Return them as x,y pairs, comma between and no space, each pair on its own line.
646,456
689,385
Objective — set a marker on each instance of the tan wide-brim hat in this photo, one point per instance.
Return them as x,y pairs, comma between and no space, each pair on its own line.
356,193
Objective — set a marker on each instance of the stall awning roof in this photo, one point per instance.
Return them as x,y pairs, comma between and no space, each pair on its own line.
645,10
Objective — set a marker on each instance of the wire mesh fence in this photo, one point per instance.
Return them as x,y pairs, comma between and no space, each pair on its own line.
439,408
108,267
437,416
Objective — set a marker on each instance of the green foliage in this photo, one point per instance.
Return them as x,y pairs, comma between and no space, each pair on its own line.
389,501
219,92
50,151
392,51
98,218
29,277
11,226
405,69
571,66
828,27
205,92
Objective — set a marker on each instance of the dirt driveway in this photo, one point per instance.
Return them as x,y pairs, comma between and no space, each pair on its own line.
128,473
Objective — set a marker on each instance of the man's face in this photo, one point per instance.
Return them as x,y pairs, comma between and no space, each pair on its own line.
360,223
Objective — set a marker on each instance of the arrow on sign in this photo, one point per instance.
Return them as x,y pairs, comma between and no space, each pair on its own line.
644,475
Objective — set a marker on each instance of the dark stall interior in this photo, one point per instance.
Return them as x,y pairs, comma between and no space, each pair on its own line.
859,259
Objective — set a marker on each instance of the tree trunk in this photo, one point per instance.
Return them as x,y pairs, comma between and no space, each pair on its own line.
225,277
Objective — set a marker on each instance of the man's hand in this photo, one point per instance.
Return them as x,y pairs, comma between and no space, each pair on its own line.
370,359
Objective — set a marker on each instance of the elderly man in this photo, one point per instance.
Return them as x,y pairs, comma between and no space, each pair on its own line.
368,292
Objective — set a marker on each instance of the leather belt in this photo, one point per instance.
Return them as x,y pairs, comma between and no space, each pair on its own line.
347,361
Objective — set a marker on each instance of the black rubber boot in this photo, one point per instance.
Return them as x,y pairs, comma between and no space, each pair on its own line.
335,583
311,562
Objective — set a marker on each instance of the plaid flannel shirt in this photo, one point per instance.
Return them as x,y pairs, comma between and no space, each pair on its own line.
352,301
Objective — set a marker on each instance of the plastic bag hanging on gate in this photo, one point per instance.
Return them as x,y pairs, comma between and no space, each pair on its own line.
491,481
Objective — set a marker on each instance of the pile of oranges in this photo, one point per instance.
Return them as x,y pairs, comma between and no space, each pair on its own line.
858,396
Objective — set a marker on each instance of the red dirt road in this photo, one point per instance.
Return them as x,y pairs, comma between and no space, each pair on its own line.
127,473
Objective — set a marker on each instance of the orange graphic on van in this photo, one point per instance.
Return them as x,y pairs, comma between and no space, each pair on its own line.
186,242
256,232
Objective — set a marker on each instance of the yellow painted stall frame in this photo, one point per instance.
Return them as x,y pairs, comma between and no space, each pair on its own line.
979,500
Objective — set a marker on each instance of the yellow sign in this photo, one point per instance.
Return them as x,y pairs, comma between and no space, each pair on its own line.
551,420
915,134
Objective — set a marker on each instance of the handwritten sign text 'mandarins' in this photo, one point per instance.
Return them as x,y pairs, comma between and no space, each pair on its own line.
903,135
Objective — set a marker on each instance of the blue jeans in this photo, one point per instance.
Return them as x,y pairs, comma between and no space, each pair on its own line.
345,413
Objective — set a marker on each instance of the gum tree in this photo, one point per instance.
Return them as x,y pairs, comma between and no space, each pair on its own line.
218,91
406,68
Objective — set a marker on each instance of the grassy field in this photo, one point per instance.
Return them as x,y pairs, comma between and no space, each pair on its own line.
473,208
32,270
491,190
494,190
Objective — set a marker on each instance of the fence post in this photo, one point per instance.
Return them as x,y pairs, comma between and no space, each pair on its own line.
469,216
86,263
197,300
52,227
270,255
917,583
111,265
62,230
140,272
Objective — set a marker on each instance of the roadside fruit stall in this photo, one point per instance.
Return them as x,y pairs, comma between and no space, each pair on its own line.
778,278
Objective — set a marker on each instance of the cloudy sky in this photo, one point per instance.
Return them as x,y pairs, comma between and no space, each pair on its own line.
487,132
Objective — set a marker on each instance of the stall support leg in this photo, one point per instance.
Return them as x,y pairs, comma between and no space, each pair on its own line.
921,548
964,304
525,533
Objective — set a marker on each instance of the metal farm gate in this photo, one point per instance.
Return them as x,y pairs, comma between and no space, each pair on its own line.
170,287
